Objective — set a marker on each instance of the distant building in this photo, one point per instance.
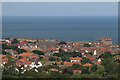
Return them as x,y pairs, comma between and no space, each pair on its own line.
105,40
75,59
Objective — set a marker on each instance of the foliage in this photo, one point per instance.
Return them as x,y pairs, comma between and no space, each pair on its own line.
86,60
38,52
93,68
4,46
110,66
86,45
85,70
20,57
55,74
62,42
66,71
77,67
15,41
52,59
65,55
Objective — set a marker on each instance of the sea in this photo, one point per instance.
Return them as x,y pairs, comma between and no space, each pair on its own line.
63,28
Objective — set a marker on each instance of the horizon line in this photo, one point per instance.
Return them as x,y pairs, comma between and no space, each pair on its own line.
60,0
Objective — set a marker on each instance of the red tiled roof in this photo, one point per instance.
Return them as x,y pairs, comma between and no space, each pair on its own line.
58,62
76,45
26,54
14,57
76,58
43,49
76,62
79,71
98,62
88,55
87,64
34,57
91,58
53,69
67,63
23,63
3,55
60,71
5,59
22,60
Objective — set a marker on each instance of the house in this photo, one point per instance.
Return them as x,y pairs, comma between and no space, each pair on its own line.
60,71
53,69
12,52
99,61
95,52
34,57
26,54
67,63
4,60
36,64
87,65
88,56
75,59
77,71
106,40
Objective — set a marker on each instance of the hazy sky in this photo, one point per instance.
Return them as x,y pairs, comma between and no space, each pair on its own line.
59,8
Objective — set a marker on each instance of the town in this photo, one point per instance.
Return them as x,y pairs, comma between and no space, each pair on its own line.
23,57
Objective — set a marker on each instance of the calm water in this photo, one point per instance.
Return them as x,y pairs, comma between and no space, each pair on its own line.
71,28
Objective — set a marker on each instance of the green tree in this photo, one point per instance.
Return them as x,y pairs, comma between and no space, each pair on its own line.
38,52
109,63
75,54
55,74
3,52
85,70
52,59
20,57
77,67
86,60
66,71
86,45
93,68
20,50
62,42
15,41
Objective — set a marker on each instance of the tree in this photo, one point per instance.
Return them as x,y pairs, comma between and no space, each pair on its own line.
93,68
66,75
77,67
34,42
107,55
86,60
86,45
20,50
62,63
3,52
4,46
15,41
29,74
38,52
57,54
52,59
109,63
77,76
75,54
62,42
85,70
67,71
20,57
55,74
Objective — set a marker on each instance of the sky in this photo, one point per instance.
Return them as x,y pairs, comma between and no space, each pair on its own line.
59,8
60,0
